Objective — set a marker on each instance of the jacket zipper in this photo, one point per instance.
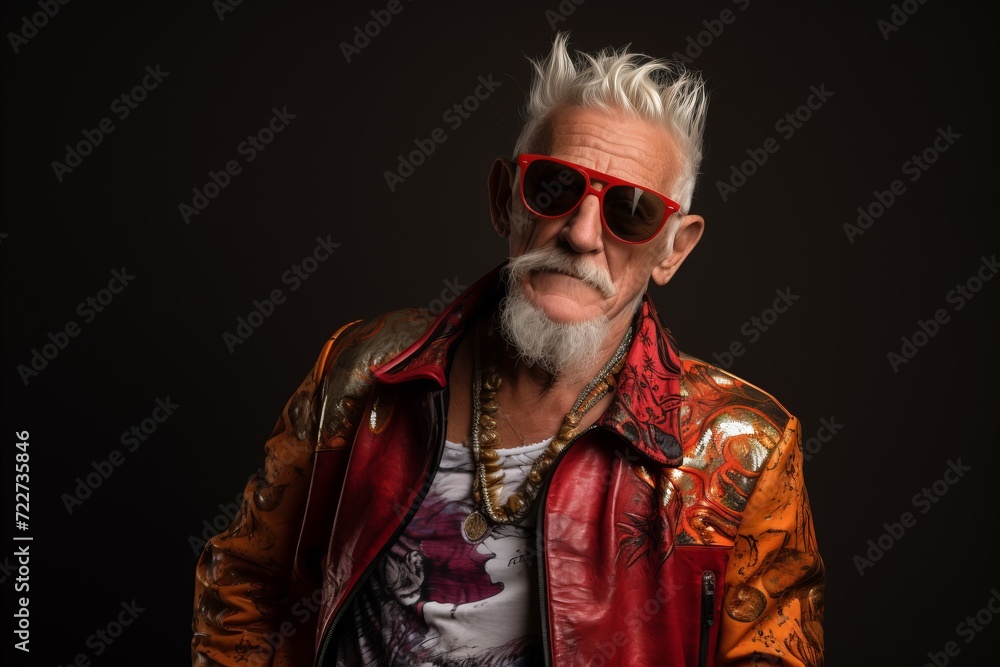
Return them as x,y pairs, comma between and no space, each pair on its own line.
540,551
707,614
329,634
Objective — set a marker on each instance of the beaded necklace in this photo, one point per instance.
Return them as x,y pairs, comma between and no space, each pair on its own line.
487,484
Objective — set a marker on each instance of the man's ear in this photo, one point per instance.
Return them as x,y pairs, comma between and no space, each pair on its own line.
687,236
501,187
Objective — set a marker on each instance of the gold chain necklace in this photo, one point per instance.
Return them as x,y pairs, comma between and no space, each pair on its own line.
487,485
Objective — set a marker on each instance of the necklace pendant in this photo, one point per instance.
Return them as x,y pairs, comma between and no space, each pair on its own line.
475,527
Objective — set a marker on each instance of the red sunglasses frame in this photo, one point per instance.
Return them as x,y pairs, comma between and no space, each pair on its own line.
524,160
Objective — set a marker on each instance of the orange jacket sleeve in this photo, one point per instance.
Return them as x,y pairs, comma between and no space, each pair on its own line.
244,575
773,609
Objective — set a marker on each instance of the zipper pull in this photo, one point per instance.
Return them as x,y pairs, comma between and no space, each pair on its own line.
708,597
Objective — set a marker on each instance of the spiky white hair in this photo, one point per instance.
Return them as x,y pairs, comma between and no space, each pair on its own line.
663,92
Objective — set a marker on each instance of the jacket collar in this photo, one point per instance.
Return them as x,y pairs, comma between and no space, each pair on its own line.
646,407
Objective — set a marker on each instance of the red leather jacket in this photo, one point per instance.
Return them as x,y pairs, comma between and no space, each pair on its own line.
675,531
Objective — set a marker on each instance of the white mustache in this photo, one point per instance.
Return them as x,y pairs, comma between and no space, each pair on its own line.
555,259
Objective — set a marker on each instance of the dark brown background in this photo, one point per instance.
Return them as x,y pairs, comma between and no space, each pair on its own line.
824,358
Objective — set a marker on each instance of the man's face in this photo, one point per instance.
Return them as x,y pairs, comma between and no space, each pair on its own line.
619,146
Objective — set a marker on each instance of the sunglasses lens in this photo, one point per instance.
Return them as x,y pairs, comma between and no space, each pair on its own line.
633,214
552,189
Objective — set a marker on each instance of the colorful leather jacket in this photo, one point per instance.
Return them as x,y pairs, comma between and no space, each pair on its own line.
675,531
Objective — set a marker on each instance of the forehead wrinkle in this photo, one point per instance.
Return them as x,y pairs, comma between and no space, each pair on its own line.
622,150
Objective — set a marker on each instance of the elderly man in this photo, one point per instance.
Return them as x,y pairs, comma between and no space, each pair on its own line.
537,475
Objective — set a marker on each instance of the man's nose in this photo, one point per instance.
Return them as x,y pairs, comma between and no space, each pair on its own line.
583,230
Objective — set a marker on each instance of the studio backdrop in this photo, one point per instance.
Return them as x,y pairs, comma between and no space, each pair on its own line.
196,195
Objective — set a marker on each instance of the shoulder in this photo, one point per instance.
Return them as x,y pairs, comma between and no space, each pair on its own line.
361,346
725,414
343,371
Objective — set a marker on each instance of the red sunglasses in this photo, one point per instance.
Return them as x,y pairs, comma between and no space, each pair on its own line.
552,188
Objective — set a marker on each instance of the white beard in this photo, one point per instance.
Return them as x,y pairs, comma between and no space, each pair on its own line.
566,350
